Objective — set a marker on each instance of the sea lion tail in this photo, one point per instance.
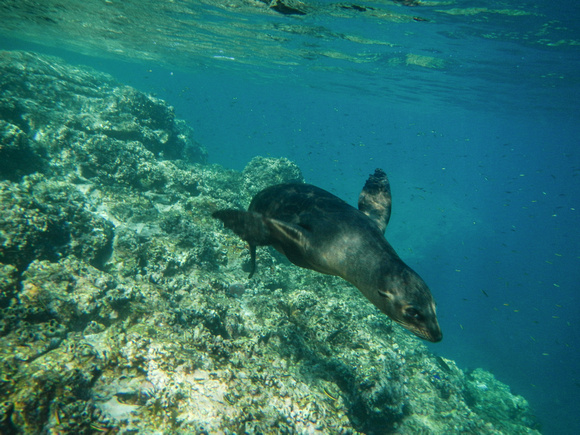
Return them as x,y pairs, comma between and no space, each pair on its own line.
248,225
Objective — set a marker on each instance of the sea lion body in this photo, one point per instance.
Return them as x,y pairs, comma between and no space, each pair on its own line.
316,230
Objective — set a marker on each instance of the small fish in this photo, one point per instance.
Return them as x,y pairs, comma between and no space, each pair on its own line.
330,396
442,364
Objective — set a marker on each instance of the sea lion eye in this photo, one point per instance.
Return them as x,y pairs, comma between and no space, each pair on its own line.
383,293
413,313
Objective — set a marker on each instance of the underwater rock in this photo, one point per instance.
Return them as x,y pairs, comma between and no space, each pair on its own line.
123,308
17,156
236,290
76,115
262,172
74,293
493,400
8,281
48,219
288,7
408,2
64,373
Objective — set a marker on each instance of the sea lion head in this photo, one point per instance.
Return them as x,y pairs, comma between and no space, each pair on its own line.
406,299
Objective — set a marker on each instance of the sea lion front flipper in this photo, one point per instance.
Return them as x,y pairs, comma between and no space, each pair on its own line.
375,199
291,240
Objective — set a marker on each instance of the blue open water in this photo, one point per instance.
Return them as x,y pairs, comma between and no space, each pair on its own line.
482,149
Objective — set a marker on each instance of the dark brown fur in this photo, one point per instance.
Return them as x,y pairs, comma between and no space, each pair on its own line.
316,230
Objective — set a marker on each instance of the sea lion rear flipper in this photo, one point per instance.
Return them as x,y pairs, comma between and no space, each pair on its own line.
375,199
252,260
248,225
259,230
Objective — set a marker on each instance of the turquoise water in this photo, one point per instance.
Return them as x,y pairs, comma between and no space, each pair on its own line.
471,107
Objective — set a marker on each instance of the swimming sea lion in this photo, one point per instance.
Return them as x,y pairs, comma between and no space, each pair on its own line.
319,231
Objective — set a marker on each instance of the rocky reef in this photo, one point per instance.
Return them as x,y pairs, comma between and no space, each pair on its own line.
125,308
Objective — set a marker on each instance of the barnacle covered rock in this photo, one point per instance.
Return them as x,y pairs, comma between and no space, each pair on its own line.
53,386
8,282
17,154
77,115
74,293
124,307
493,400
262,172
49,219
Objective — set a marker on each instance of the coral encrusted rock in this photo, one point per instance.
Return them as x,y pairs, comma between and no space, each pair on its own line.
125,307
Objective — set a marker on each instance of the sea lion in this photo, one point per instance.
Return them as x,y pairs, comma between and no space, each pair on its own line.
316,230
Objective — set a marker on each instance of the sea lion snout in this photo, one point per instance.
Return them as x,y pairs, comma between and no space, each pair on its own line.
422,323
436,338
406,299
432,333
